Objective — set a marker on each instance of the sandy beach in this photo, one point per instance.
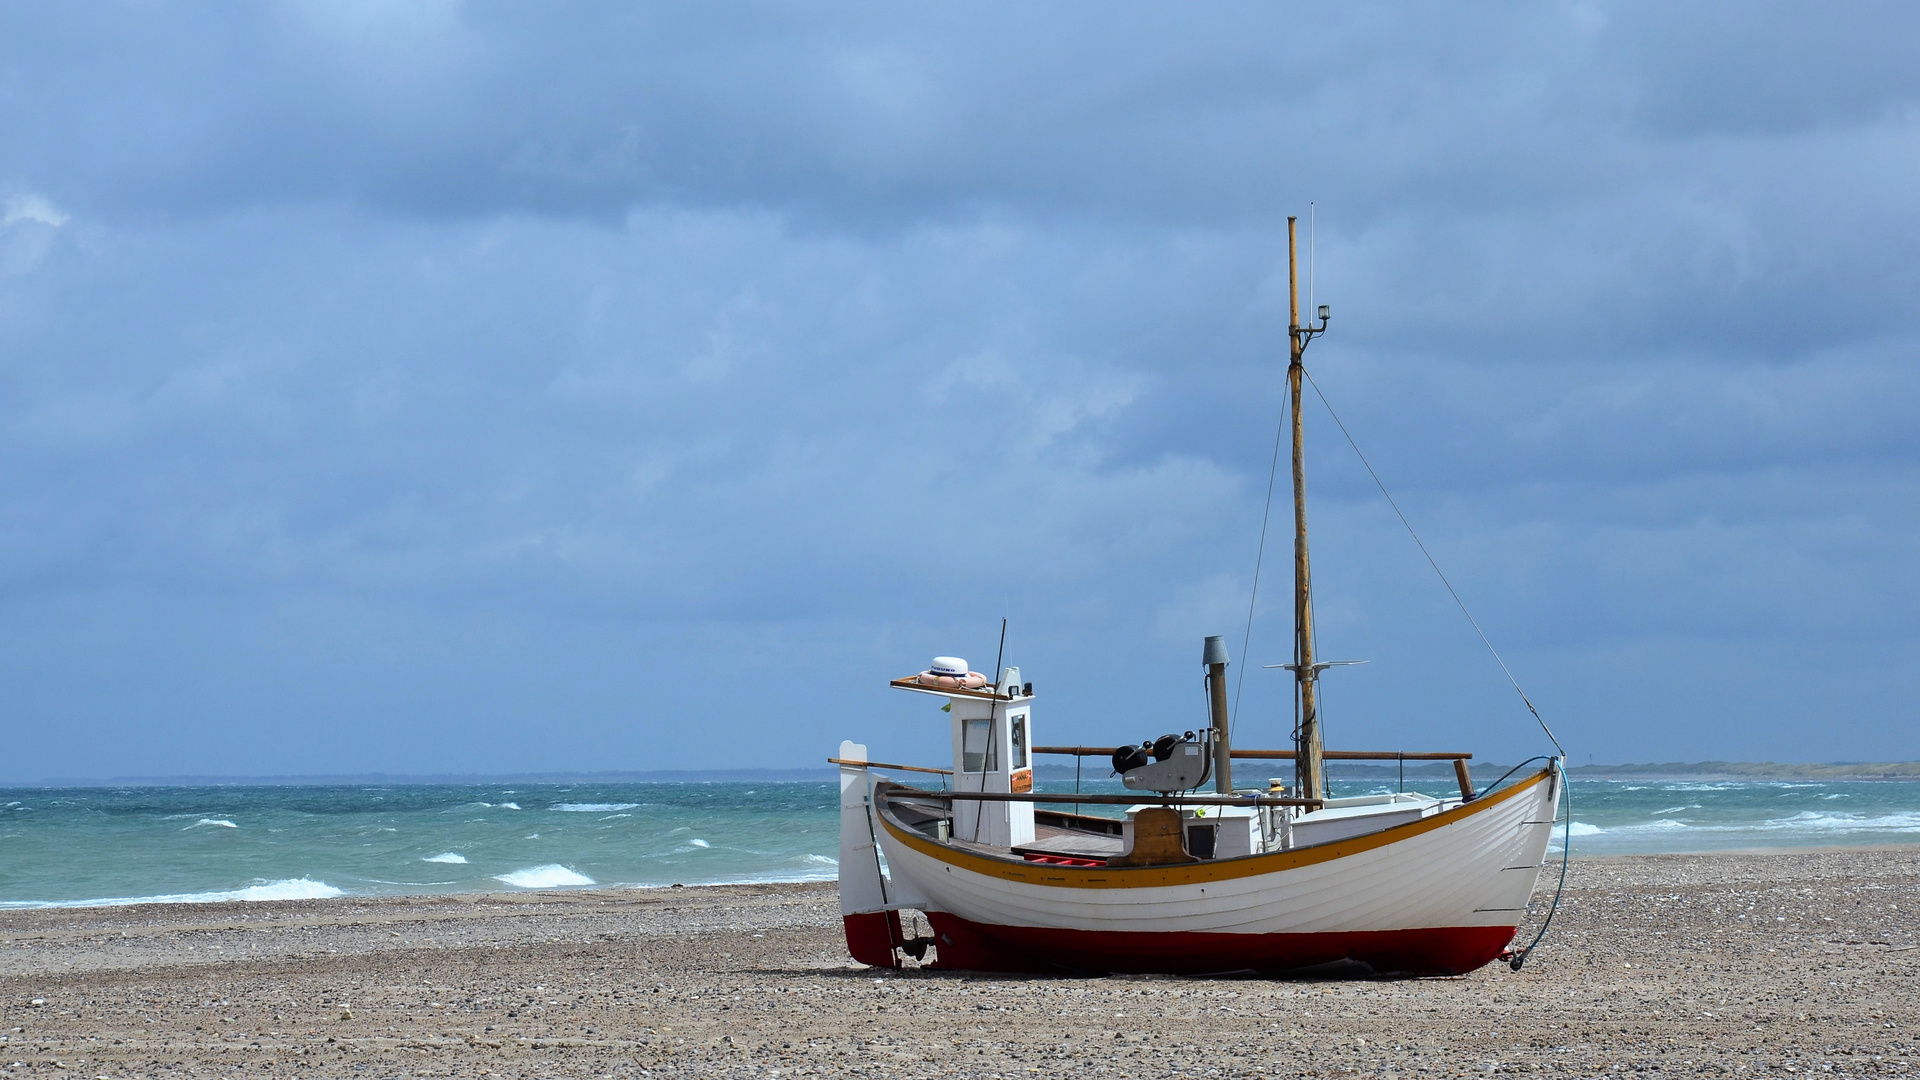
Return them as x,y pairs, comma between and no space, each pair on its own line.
1729,963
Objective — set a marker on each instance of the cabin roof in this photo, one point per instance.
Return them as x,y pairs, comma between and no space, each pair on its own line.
985,693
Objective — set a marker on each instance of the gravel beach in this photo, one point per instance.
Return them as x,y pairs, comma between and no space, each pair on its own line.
1729,963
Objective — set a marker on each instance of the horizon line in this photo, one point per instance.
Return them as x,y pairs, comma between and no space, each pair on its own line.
1865,769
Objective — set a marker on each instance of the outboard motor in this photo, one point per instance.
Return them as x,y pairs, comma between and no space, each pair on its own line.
1180,764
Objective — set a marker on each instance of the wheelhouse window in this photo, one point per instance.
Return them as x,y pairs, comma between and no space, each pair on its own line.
1019,731
976,747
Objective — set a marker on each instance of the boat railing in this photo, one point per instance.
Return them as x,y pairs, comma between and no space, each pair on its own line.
1461,775
1141,799
1280,755
1459,767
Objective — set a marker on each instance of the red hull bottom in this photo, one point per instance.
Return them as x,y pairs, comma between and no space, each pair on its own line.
873,937
972,946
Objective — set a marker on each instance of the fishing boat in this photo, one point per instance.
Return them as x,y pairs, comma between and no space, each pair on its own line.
1283,878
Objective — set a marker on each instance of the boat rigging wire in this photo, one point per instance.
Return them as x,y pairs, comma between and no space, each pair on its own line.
1273,472
988,752
1495,653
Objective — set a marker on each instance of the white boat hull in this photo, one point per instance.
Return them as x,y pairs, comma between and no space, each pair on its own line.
1442,894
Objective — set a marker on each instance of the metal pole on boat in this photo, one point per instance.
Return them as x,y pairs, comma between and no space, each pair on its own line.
1309,771
1214,656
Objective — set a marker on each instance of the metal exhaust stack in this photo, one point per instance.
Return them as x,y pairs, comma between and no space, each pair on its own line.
1214,656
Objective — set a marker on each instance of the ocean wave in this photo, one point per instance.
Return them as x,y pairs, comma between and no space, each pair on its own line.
697,842
809,868
285,889
550,876
1813,823
220,822
1581,828
1822,821
446,857
1677,809
1657,825
592,807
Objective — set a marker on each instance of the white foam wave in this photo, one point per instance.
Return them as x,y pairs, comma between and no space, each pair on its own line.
509,806
1819,821
550,876
220,822
1810,826
697,842
1677,809
285,889
1657,825
592,807
1581,828
446,857
1719,786
820,860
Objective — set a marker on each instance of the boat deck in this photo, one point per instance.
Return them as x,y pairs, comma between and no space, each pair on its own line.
1050,840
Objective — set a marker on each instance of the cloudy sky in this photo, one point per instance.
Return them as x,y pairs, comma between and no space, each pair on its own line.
467,387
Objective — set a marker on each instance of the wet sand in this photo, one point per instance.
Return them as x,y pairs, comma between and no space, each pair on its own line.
1712,964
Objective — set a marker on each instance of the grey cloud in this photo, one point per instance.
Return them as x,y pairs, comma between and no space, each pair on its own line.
470,368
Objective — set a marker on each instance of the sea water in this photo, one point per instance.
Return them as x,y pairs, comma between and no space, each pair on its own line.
1639,817
181,844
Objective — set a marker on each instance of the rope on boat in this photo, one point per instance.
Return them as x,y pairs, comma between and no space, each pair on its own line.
1517,957
1495,653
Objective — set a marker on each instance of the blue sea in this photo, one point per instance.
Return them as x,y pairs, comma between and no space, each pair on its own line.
103,845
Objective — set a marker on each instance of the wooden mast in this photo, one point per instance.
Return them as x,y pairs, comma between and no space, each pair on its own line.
1309,769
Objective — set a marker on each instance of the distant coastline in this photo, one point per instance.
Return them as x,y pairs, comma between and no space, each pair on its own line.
1751,770
1094,770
